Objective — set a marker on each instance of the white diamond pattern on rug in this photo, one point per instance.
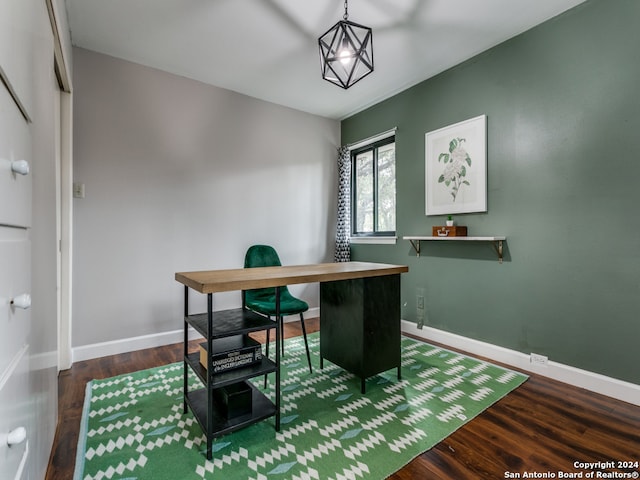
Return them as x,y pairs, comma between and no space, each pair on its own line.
136,427
330,392
451,413
338,426
421,399
452,396
406,440
318,452
357,404
272,458
219,463
371,441
389,402
359,470
289,433
417,416
379,420
310,474
481,394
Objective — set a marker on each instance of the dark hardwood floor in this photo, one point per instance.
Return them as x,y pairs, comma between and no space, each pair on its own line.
543,426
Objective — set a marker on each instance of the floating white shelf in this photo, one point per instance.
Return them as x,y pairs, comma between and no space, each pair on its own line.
497,241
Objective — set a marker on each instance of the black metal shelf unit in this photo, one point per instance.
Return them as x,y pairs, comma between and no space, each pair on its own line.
201,401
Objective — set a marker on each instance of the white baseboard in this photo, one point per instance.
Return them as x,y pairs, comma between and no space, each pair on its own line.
595,382
115,347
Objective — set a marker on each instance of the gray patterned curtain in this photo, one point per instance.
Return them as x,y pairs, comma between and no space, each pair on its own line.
343,227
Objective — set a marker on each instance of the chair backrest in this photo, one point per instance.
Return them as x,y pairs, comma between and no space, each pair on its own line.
261,256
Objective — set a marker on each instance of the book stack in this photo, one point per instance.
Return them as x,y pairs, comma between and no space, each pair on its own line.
231,352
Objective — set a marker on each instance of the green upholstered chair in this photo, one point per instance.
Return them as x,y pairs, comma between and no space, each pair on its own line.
263,300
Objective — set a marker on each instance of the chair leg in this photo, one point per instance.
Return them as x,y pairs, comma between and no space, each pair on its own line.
306,344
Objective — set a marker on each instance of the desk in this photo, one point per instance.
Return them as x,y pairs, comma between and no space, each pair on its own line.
359,307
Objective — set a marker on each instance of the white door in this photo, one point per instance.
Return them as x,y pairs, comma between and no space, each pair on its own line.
15,283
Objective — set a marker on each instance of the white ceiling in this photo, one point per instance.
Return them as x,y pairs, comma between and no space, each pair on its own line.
268,49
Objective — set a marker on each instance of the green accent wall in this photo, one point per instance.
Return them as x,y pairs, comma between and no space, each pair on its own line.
563,130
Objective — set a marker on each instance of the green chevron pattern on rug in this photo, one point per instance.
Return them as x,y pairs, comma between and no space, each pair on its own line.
133,425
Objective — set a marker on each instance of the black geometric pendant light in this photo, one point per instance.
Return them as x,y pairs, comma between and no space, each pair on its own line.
346,52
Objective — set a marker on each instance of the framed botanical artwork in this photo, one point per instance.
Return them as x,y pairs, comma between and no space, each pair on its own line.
456,168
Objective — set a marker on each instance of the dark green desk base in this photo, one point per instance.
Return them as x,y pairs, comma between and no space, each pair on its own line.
360,325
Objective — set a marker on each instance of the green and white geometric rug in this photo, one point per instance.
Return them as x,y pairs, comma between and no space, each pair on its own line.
133,426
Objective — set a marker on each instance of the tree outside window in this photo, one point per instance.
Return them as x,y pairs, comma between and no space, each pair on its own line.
374,188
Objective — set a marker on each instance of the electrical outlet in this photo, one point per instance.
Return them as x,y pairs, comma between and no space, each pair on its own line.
78,190
539,360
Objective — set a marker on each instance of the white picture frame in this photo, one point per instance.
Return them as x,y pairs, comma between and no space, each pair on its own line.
456,168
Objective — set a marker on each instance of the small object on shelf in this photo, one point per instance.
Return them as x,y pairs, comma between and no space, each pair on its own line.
234,400
449,231
232,352
449,221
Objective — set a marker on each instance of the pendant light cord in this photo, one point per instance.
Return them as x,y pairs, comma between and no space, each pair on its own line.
346,14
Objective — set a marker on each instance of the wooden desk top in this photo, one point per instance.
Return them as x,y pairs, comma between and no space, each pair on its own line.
212,281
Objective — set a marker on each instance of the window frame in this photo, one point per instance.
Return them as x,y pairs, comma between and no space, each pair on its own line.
374,147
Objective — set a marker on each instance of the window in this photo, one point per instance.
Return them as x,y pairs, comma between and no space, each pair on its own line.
373,188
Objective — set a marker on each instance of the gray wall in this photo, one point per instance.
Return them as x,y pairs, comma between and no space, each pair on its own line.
563,165
182,176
